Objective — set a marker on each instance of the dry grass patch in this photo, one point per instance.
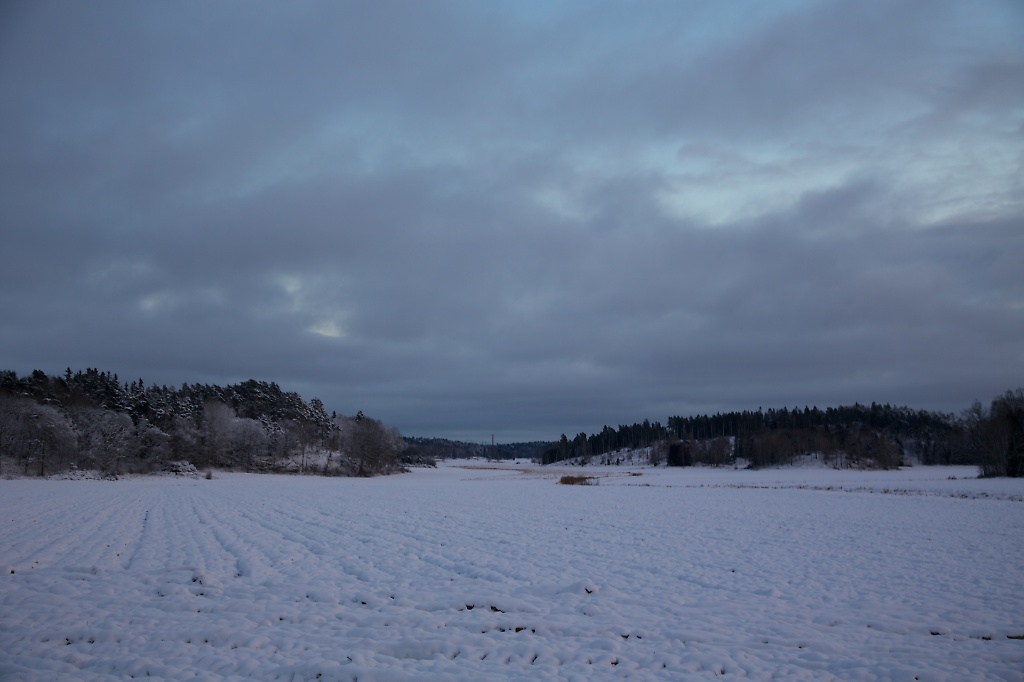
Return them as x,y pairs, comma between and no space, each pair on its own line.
578,480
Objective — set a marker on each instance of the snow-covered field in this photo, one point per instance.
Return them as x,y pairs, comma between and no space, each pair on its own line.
471,572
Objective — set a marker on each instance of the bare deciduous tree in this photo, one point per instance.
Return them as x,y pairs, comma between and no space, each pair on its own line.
374,447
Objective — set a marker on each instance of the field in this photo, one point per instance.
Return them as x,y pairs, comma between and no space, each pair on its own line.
474,572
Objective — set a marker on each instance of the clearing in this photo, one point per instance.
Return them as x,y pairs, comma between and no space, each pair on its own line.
476,571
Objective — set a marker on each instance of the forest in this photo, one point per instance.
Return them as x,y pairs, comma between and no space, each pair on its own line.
855,436
92,421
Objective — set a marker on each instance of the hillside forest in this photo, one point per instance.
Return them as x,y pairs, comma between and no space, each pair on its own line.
855,436
92,420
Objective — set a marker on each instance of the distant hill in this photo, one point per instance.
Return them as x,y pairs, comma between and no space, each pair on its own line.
443,448
862,436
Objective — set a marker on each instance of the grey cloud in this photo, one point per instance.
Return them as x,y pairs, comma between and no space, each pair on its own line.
473,219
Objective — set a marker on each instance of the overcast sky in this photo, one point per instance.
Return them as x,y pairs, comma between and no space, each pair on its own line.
519,218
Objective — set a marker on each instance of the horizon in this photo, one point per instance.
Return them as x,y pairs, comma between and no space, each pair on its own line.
493,437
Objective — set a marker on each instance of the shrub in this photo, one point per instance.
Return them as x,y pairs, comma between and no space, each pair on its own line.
578,480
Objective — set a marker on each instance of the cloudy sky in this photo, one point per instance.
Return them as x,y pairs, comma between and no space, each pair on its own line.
519,218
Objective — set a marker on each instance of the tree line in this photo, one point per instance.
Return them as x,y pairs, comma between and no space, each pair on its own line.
431,449
877,436
91,420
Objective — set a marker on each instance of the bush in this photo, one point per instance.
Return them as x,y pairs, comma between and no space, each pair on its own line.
578,480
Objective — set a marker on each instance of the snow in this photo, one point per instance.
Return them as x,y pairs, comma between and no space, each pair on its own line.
477,571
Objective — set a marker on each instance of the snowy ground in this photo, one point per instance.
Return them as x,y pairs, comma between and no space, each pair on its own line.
470,572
